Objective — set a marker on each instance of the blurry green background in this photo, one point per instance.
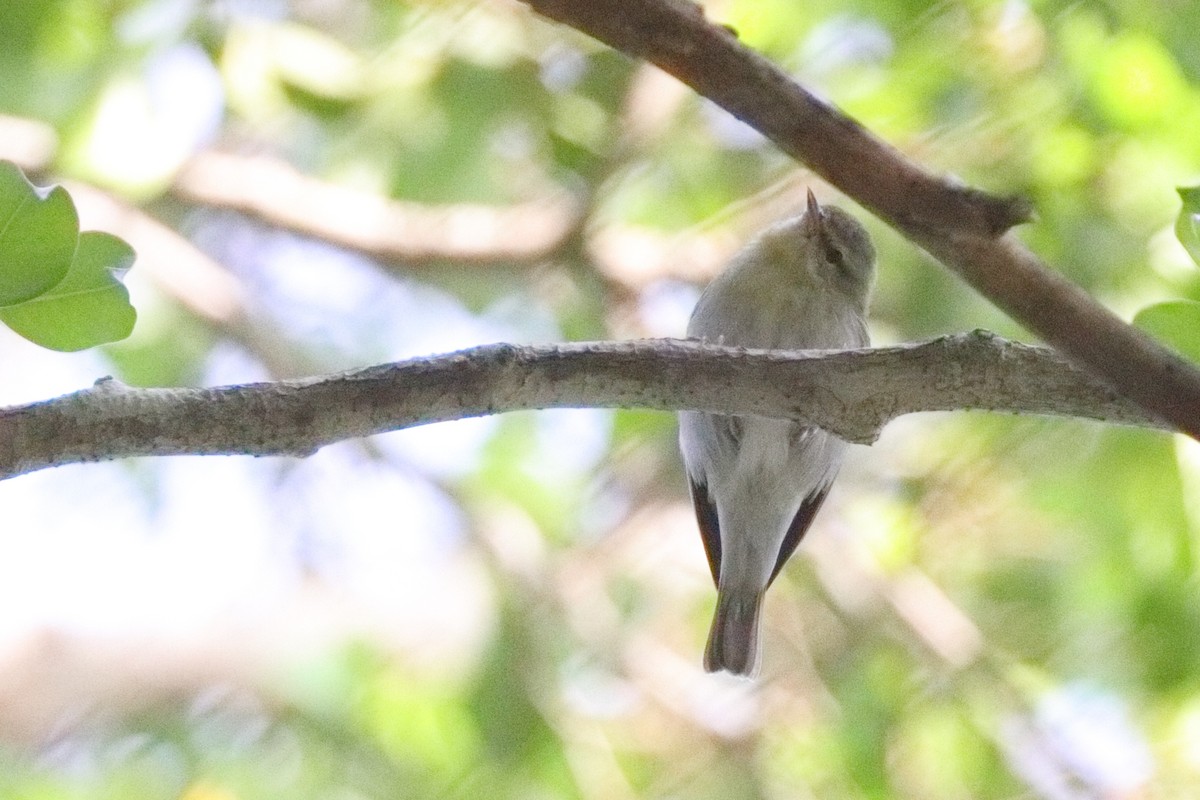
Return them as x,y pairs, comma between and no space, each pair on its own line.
989,606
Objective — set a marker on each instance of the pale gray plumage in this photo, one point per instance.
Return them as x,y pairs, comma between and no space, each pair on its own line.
757,483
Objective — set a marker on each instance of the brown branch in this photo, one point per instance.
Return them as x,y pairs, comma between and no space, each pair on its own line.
959,226
390,230
852,393
674,35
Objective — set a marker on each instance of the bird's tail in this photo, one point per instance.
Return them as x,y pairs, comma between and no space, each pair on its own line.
733,643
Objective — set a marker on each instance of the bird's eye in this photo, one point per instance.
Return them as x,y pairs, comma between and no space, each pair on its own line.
834,256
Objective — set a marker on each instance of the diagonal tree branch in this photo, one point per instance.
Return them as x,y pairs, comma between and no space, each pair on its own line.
959,226
853,393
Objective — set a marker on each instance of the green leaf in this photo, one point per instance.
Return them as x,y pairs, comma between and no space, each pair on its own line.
38,231
1176,323
1187,226
90,306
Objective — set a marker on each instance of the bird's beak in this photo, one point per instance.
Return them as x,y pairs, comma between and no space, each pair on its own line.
812,219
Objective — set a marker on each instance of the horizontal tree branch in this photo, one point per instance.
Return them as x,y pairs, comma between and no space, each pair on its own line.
398,235
958,225
390,230
852,393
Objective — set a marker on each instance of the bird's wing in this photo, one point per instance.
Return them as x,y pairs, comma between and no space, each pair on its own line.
795,532
710,528
713,438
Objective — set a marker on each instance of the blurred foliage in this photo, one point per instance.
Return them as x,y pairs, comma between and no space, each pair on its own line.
1187,225
990,607
1176,322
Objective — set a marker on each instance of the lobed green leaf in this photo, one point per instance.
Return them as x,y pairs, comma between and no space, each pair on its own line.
38,232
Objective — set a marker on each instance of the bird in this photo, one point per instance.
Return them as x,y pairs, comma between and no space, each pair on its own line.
757,483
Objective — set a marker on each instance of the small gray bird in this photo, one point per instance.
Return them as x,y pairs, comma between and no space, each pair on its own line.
757,483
